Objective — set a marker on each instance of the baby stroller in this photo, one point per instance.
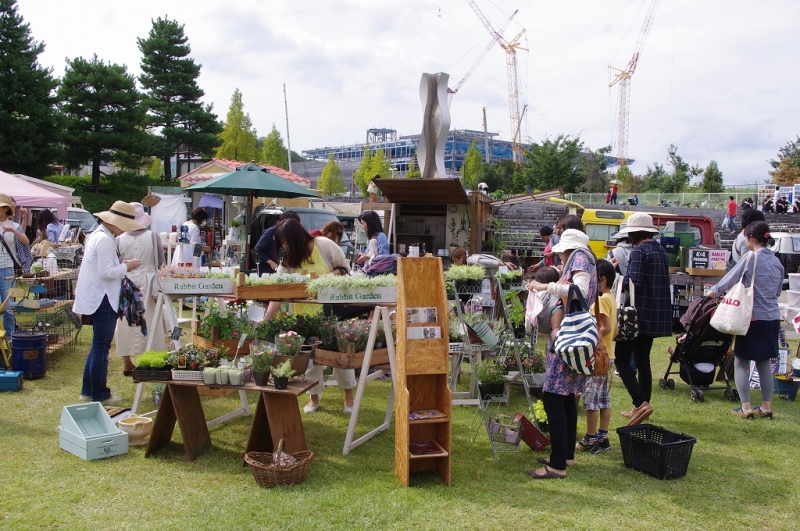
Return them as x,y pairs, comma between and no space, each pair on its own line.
699,353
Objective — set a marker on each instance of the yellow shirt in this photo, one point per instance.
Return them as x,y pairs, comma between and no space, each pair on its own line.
608,307
314,264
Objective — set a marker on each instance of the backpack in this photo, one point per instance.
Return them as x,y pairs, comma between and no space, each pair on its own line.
383,264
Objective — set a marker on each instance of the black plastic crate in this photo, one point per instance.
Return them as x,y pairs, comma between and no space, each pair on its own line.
655,451
149,375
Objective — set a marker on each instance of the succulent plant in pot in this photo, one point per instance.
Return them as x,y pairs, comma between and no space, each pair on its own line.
281,374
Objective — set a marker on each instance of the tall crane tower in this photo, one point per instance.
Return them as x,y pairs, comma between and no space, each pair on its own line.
510,47
623,77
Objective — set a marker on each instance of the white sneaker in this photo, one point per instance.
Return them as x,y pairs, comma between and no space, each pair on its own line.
112,400
85,398
309,408
347,409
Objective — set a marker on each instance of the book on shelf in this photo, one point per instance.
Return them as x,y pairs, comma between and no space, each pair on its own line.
423,332
421,315
424,448
424,414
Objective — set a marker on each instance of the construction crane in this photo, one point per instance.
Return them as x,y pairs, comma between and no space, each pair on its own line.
452,91
510,47
623,77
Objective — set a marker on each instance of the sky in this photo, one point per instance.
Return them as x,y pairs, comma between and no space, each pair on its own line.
717,78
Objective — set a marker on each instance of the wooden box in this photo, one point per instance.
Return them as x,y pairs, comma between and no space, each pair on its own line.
350,359
269,292
706,272
88,432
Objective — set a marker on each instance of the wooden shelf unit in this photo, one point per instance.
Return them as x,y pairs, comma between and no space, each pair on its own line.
422,381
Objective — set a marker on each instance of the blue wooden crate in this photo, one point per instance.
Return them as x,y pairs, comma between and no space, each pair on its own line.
10,380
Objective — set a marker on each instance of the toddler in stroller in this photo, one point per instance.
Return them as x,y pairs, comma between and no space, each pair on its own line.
699,352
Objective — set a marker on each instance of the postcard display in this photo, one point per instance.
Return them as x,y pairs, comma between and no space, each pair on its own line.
423,409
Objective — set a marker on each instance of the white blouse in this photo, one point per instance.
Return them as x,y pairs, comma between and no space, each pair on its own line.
100,275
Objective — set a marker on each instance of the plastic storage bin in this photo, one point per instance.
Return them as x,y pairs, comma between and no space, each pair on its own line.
655,451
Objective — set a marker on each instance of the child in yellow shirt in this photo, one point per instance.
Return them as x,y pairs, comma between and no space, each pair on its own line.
597,394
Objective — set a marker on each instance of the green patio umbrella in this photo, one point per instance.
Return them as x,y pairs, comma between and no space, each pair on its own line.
252,180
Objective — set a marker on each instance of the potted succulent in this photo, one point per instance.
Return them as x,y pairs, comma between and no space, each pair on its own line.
281,374
491,379
467,279
512,278
261,360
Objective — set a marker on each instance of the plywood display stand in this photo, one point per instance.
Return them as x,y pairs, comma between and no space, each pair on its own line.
422,382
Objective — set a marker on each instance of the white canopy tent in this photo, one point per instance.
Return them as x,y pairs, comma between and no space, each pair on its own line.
27,194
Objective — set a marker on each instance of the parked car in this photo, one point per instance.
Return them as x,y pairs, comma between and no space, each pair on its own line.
787,249
311,219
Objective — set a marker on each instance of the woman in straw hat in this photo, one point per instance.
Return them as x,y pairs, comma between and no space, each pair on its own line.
10,232
146,246
97,294
648,268
561,383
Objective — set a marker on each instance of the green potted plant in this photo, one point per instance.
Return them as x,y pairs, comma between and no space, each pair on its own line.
512,278
516,313
281,374
467,279
261,362
287,348
491,378
152,366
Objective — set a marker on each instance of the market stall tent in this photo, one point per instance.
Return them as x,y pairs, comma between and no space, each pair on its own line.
29,194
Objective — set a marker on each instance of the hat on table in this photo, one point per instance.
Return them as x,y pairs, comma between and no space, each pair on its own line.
122,215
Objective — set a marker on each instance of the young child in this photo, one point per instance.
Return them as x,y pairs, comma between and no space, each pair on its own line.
596,396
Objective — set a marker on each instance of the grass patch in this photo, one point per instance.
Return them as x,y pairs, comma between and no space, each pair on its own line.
739,476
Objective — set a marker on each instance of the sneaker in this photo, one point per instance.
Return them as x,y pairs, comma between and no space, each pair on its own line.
640,414
604,443
741,413
310,408
85,398
587,445
112,400
347,409
762,414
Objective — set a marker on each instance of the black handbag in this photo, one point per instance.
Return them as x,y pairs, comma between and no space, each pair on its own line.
627,318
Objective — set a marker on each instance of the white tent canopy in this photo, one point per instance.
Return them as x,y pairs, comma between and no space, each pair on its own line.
28,194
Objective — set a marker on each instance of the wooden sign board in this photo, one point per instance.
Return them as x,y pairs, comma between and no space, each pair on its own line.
198,286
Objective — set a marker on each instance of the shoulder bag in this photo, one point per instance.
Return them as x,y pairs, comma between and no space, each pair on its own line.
17,265
627,317
578,336
735,308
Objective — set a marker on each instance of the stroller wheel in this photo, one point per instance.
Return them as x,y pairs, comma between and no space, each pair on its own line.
671,383
662,383
693,395
736,396
701,396
729,395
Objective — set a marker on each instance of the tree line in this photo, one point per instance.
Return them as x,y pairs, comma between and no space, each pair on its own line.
99,112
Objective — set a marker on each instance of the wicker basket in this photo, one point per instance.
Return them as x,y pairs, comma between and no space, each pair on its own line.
187,375
269,475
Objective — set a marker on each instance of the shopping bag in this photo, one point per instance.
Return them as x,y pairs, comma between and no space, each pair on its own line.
578,336
627,317
735,308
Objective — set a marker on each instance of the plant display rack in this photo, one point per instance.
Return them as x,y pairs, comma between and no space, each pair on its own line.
422,372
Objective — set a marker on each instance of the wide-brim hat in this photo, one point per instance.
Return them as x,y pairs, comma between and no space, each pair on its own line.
619,235
122,215
142,218
571,239
638,222
8,201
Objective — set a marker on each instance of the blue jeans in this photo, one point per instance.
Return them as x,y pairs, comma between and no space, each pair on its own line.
95,373
5,286
729,222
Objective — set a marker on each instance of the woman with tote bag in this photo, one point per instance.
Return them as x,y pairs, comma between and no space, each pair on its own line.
760,343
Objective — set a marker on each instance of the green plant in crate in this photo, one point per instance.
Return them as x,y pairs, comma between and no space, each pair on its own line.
490,372
509,279
230,322
152,360
283,322
283,370
464,272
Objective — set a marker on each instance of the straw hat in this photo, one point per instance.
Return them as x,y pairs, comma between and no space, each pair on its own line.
121,215
639,222
571,239
7,201
142,218
150,200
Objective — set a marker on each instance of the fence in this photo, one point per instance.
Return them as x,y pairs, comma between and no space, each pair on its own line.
685,200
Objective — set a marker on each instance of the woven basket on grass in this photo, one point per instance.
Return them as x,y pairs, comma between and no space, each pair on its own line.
270,475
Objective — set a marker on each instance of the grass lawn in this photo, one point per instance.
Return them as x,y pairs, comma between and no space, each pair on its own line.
741,474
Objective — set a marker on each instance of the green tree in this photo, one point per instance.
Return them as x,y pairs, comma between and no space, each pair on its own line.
786,168
552,164
169,76
499,177
274,152
593,171
712,179
379,166
331,182
155,168
413,168
362,177
29,125
103,112
238,136
472,164
631,183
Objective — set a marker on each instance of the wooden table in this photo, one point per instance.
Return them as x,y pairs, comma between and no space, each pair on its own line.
277,417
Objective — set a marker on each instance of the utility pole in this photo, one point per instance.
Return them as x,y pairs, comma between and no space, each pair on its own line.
288,142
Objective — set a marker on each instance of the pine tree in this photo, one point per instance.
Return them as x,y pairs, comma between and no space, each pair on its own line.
472,164
29,125
104,114
238,136
362,177
274,152
173,96
712,179
330,181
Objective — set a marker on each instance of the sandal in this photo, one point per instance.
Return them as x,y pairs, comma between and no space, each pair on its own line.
546,461
548,474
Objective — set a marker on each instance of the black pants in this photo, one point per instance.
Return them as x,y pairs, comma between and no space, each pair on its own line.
562,420
639,349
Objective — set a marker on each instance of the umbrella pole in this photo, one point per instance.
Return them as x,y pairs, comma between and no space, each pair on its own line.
248,228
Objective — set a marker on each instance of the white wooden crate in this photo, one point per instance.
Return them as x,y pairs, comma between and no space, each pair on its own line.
88,432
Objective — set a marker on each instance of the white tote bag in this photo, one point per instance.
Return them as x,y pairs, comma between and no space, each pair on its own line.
735,308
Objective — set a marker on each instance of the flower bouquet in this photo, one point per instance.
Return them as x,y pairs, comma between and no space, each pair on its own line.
354,331
289,343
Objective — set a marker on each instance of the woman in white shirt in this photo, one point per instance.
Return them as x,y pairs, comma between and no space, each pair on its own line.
10,232
97,294
184,254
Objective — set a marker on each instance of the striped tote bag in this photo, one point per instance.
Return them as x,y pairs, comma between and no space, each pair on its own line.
578,336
